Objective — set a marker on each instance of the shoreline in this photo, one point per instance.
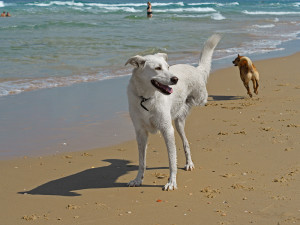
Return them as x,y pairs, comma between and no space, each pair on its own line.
85,123
21,86
245,152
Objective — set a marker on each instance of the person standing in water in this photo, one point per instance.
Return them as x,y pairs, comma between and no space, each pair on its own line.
149,10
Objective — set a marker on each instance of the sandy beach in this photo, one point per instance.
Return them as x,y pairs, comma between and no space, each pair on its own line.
246,154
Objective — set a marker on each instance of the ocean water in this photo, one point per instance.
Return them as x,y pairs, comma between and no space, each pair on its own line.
49,44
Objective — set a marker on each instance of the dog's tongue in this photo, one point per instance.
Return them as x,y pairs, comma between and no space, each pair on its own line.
167,89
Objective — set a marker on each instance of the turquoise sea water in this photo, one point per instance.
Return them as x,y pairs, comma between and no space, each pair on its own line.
48,44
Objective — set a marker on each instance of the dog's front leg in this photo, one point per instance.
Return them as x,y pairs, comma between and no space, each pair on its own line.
141,137
168,135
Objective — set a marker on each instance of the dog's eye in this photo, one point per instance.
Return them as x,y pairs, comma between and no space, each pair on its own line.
158,68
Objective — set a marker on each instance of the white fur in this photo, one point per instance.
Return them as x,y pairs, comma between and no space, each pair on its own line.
190,90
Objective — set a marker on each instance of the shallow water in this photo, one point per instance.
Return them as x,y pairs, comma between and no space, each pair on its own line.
48,44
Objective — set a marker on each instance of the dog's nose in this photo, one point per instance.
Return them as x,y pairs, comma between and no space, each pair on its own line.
174,80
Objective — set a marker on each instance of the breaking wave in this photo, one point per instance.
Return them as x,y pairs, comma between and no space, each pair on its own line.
22,85
270,13
264,26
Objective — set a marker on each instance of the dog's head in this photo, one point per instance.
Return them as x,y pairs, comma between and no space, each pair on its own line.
237,60
153,71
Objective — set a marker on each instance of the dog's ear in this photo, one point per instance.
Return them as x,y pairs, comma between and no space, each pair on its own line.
136,61
164,55
239,55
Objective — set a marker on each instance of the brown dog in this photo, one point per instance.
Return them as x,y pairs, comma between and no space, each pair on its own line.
247,72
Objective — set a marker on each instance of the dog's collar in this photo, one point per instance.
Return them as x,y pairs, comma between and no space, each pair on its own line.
142,101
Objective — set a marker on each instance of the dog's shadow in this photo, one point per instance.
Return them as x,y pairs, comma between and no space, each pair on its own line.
224,98
101,177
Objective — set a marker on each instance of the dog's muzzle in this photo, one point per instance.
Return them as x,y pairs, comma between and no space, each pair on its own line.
165,89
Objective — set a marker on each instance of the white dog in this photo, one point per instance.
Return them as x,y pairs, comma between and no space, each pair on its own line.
153,104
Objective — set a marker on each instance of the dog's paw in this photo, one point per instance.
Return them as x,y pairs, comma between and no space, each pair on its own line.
135,183
170,186
189,166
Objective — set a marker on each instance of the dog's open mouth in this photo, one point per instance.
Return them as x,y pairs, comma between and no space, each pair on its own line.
165,89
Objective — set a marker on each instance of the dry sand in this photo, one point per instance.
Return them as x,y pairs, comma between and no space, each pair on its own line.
246,153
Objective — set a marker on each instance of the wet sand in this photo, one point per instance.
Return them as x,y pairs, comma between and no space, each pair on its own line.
246,153
65,119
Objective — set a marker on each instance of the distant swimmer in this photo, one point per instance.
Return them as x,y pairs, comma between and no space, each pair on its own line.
149,10
8,14
3,14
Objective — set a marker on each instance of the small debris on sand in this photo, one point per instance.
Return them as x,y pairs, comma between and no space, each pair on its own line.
240,132
227,175
267,128
86,154
30,218
71,207
222,133
293,125
210,192
240,186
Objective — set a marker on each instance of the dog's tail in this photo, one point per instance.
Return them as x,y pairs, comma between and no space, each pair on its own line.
206,55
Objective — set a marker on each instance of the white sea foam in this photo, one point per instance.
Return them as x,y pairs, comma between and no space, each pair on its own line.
214,16
67,3
258,46
233,3
264,26
100,5
217,16
125,9
275,4
22,85
201,10
297,4
80,4
193,16
167,4
213,3
39,4
116,7
269,13
291,36
134,4
245,50
1,4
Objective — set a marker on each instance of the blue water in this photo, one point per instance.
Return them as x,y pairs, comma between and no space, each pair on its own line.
48,44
